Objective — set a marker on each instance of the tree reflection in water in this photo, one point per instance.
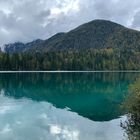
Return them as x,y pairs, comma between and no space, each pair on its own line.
96,96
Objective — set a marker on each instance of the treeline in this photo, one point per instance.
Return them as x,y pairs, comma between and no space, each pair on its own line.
89,59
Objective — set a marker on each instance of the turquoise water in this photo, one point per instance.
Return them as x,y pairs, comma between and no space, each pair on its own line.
63,106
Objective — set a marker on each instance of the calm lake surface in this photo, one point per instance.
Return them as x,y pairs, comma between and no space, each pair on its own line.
63,106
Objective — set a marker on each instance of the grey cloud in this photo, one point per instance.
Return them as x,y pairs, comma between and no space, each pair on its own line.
136,20
26,20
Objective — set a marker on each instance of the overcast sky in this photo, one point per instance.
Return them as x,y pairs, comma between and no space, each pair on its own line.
27,20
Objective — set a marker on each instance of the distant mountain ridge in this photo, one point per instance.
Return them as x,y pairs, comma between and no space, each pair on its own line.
18,47
96,34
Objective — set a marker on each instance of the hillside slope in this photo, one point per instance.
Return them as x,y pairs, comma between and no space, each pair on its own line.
95,34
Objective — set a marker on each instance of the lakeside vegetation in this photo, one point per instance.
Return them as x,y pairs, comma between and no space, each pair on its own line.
132,107
88,59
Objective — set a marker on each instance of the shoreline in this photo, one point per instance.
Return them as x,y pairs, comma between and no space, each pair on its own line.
123,71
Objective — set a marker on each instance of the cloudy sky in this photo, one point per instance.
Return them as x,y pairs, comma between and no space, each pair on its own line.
26,20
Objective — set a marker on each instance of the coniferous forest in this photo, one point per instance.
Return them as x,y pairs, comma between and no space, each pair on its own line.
89,59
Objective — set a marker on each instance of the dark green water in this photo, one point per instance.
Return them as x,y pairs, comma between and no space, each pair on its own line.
63,106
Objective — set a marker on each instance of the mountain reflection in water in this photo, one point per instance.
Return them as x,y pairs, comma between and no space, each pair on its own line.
96,96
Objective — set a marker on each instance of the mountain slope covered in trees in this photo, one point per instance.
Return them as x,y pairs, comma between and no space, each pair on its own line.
97,45
95,34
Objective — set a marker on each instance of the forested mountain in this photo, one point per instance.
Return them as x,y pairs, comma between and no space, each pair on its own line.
97,45
95,34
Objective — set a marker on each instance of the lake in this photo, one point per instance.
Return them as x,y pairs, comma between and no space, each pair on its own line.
63,106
